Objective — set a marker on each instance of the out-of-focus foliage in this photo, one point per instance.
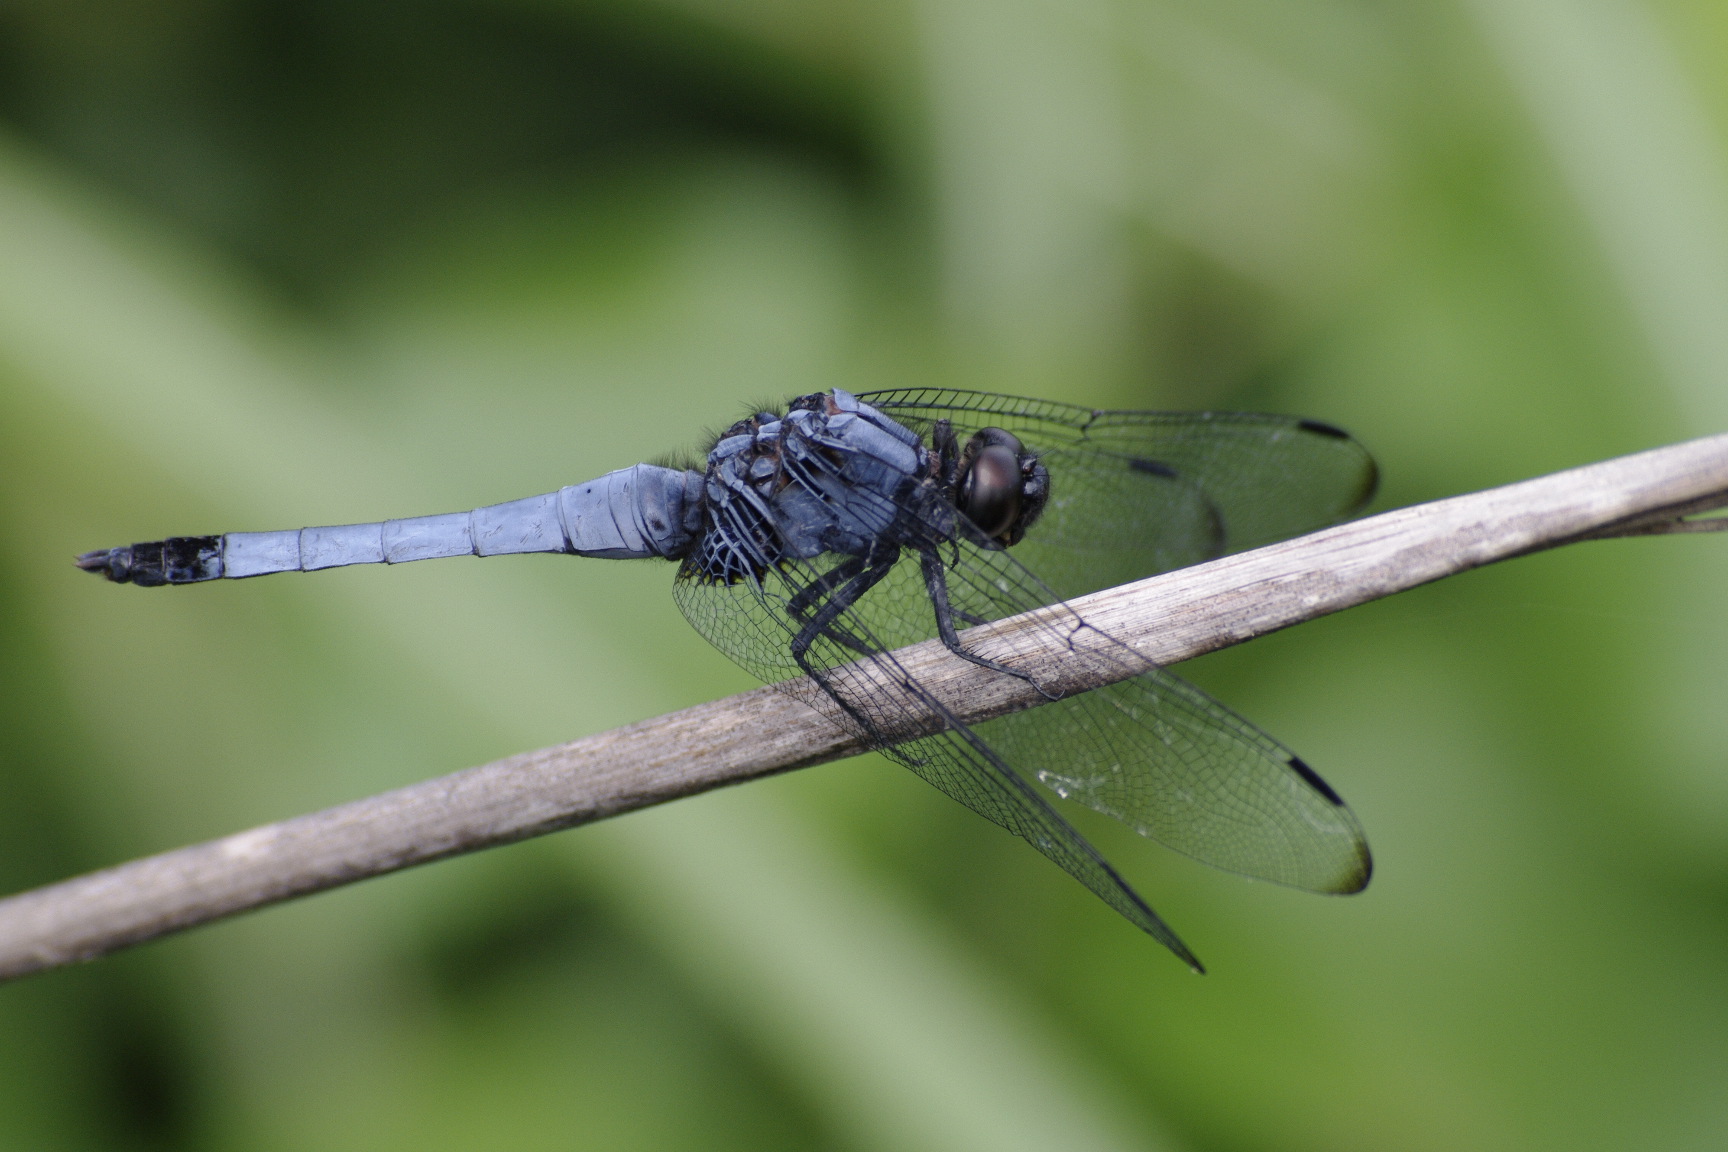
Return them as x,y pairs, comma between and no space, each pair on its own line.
273,262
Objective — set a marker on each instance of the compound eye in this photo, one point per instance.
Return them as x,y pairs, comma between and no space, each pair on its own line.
990,492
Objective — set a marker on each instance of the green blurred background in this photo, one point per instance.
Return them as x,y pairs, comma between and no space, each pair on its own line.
266,263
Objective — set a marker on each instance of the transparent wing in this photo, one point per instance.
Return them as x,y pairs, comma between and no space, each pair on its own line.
1136,493
1150,750
1162,756
1178,767
1132,493
756,623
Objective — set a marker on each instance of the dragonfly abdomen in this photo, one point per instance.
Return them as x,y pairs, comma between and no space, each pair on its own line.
633,513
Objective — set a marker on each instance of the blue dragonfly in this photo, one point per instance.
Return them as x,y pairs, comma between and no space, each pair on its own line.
815,541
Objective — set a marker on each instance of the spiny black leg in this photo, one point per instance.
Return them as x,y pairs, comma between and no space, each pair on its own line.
824,584
843,597
828,584
968,618
936,584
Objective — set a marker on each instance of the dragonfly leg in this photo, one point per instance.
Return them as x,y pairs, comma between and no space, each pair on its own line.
814,591
936,584
864,575
970,619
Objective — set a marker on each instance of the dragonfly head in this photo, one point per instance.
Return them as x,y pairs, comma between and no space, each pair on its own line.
1002,487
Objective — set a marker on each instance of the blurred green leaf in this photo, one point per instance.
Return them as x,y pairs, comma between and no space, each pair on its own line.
271,264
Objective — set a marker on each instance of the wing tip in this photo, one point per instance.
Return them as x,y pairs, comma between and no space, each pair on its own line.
1364,871
1355,878
1161,932
1370,482
1153,925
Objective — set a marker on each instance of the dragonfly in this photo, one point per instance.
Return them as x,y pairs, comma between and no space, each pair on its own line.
814,542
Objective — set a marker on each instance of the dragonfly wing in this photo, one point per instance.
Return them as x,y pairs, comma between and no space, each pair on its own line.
1184,487
1112,520
871,694
966,768
1180,768
1229,480
1159,754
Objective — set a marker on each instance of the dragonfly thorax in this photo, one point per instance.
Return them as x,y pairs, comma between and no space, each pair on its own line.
831,475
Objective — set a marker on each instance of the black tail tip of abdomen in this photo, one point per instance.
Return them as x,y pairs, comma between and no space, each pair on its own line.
101,560
176,560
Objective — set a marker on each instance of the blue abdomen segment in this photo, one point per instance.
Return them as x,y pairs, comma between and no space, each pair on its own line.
634,513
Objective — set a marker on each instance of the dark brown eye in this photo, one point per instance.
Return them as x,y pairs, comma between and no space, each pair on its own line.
990,490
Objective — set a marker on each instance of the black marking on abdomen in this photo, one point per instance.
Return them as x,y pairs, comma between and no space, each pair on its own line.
1314,781
176,560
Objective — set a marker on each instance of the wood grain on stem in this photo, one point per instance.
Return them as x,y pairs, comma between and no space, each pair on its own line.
1166,619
